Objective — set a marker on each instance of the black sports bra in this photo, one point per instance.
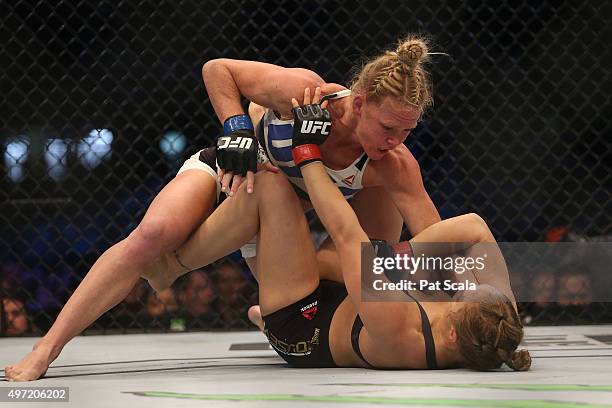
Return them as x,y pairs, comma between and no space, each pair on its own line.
430,347
382,248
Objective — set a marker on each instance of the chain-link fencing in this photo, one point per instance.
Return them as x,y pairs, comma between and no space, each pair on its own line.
102,101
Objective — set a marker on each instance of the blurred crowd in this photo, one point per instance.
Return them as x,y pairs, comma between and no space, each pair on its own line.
217,297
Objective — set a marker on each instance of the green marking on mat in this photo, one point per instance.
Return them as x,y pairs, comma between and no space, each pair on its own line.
523,387
433,402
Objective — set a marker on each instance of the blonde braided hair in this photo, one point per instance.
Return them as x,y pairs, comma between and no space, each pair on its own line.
398,73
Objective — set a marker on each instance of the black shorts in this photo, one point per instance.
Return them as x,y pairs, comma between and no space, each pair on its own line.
300,332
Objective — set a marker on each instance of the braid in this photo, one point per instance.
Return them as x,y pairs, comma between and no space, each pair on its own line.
410,53
488,333
390,77
398,73
499,331
416,89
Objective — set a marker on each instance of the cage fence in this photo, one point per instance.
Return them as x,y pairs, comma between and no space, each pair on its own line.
101,102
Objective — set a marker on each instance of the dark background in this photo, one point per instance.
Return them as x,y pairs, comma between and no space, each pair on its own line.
520,132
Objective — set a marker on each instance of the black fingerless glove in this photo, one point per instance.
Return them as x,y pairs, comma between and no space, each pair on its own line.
311,126
237,148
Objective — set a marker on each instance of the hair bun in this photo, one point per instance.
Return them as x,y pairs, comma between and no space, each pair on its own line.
411,52
520,360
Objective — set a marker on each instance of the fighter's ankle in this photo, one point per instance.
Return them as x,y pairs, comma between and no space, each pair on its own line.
49,346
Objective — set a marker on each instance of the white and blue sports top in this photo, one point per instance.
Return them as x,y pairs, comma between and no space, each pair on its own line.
276,135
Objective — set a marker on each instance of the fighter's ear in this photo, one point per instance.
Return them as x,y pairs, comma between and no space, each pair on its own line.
358,103
452,335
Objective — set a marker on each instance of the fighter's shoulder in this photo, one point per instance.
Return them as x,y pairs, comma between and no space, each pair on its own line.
397,165
400,158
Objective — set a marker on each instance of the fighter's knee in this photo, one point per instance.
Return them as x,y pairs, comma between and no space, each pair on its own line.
151,229
268,177
146,239
272,184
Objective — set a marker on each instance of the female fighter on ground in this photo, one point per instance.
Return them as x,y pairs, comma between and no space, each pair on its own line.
388,97
317,323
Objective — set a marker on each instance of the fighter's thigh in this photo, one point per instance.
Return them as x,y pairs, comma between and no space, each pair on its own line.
329,262
256,113
378,214
286,259
179,207
251,261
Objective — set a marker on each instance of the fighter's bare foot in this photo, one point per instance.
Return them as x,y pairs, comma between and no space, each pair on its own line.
34,365
254,314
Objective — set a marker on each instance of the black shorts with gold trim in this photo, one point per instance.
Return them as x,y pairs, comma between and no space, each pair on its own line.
300,332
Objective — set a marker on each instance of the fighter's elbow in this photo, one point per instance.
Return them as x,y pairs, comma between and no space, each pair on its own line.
345,234
212,65
479,227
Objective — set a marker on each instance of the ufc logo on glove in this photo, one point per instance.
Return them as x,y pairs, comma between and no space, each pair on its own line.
314,126
234,142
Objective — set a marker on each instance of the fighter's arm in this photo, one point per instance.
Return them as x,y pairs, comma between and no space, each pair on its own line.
400,174
267,85
470,235
343,226
452,235
341,222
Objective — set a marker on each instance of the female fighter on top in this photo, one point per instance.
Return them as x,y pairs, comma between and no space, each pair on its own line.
388,97
364,153
315,323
